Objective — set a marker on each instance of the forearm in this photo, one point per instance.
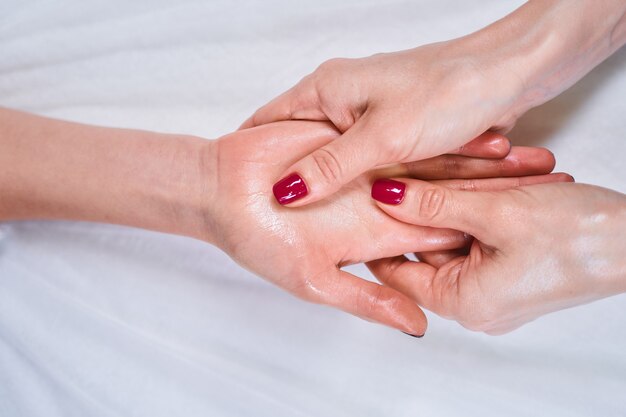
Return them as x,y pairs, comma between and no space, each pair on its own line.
58,170
548,45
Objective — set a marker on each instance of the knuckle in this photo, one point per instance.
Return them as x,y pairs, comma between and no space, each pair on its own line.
368,302
431,203
308,289
328,166
444,289
403,137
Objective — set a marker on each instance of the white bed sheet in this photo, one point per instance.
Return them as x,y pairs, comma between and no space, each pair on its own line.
100,320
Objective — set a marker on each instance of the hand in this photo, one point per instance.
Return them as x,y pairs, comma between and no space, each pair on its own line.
538,249
415,104
395,107
303,250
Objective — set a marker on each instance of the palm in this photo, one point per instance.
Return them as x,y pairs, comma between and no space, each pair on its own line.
302,250
294,248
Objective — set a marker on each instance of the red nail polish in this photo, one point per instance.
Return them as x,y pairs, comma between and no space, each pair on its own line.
289,189
388,191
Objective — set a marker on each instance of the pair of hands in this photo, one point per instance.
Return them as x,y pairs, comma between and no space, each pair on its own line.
519,267
391,108
536,249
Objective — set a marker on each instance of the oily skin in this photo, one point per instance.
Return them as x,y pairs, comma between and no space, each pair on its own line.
414,104
391,108
302,250
568,249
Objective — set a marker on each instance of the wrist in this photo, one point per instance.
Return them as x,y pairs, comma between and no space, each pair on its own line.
186,196
202,202
544,47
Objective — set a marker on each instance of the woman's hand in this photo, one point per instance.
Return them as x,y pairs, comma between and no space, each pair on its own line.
395,107
537,249
415,104
303,250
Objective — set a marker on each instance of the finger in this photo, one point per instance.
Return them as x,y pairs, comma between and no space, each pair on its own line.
369,301
521,161
436,258
299,102
327,169
441,257
497,184
279,108
430,287
247,124
426,204
399,238
487,145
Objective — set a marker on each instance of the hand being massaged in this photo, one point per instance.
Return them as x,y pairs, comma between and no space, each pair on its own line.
303,250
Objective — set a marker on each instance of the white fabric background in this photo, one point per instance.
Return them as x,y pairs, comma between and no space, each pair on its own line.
99,320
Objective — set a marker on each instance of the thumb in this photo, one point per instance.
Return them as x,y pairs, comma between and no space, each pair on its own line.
425,204
327,169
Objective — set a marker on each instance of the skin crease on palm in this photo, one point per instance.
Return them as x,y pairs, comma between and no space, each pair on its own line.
538,249
302,250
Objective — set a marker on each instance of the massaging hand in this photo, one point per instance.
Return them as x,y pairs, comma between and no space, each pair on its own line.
396,107
538,249
415,104
302,250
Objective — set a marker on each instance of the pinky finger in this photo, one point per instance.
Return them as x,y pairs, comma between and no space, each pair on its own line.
369,301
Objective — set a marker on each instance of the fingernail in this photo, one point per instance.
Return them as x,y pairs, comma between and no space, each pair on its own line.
412,335
289,189
388,191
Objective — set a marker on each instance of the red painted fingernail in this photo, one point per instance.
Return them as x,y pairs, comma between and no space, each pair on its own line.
388,191
289,189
